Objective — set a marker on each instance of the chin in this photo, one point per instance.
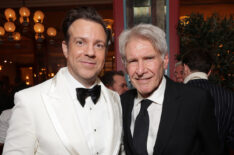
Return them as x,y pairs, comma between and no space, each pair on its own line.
145,92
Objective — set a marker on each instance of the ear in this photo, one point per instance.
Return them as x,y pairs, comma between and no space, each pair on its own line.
165,61
65,49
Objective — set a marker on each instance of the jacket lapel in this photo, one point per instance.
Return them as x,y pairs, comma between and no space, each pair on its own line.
61,110
170,110
115,122
127,103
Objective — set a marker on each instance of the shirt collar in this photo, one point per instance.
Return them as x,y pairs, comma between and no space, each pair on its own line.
196,75
73,83
157,96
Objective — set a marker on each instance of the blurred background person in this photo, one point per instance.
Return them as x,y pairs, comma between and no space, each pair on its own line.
197,68
7,111
115,81
179,72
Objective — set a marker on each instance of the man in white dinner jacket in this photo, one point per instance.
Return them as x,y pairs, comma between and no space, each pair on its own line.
59,116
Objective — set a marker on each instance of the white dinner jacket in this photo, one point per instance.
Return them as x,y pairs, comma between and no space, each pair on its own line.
45,122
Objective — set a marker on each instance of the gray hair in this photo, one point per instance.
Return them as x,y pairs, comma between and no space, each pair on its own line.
178,63
146,31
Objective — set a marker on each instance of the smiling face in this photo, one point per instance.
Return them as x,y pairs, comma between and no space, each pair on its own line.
144,65
85,51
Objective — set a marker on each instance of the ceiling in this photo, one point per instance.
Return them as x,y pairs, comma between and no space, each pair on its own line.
47,3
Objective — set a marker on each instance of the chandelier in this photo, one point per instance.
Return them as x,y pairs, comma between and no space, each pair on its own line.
10,31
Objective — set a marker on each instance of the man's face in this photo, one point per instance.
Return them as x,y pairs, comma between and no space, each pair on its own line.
144,65
179,73
85,51
119,84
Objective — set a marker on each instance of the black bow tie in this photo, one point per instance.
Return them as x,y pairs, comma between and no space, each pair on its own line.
82,93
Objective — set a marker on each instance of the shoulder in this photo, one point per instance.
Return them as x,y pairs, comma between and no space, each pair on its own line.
187,93
35,89
217,91
181,87
32,94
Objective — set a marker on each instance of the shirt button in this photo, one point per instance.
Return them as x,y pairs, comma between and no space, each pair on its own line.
90,108
95,131
97,153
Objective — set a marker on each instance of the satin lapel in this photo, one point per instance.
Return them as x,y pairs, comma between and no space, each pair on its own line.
127,103
115,125
170,111
63,115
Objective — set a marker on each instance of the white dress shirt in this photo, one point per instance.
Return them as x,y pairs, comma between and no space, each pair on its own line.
154,111
93,117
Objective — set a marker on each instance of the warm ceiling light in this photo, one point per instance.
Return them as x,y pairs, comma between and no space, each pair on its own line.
51,32
38,16
23,19
109,23
24,12
9,26
184,19
39,37
17,36
10,14
2,31
39,28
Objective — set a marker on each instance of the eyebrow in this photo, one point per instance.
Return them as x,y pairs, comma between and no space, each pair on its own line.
83,38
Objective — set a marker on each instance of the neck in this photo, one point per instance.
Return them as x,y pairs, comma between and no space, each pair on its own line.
87,83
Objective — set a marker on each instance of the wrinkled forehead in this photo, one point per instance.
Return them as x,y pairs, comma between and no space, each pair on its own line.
137,36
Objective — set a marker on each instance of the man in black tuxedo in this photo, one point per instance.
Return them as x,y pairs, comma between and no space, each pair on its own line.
161,117
197,67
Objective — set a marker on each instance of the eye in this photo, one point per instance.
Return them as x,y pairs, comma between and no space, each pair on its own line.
131,61
149,58
100,46
79,42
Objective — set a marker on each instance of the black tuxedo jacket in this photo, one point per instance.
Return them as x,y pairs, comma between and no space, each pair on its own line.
187,125
224,109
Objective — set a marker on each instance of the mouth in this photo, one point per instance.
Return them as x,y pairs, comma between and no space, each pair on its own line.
88,63
143,80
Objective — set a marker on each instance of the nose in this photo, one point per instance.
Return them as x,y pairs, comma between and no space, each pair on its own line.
90,51
140,68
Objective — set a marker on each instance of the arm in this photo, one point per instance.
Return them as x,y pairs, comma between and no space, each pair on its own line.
21,139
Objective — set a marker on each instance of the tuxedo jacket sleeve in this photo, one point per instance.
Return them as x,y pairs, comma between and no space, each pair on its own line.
187,124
